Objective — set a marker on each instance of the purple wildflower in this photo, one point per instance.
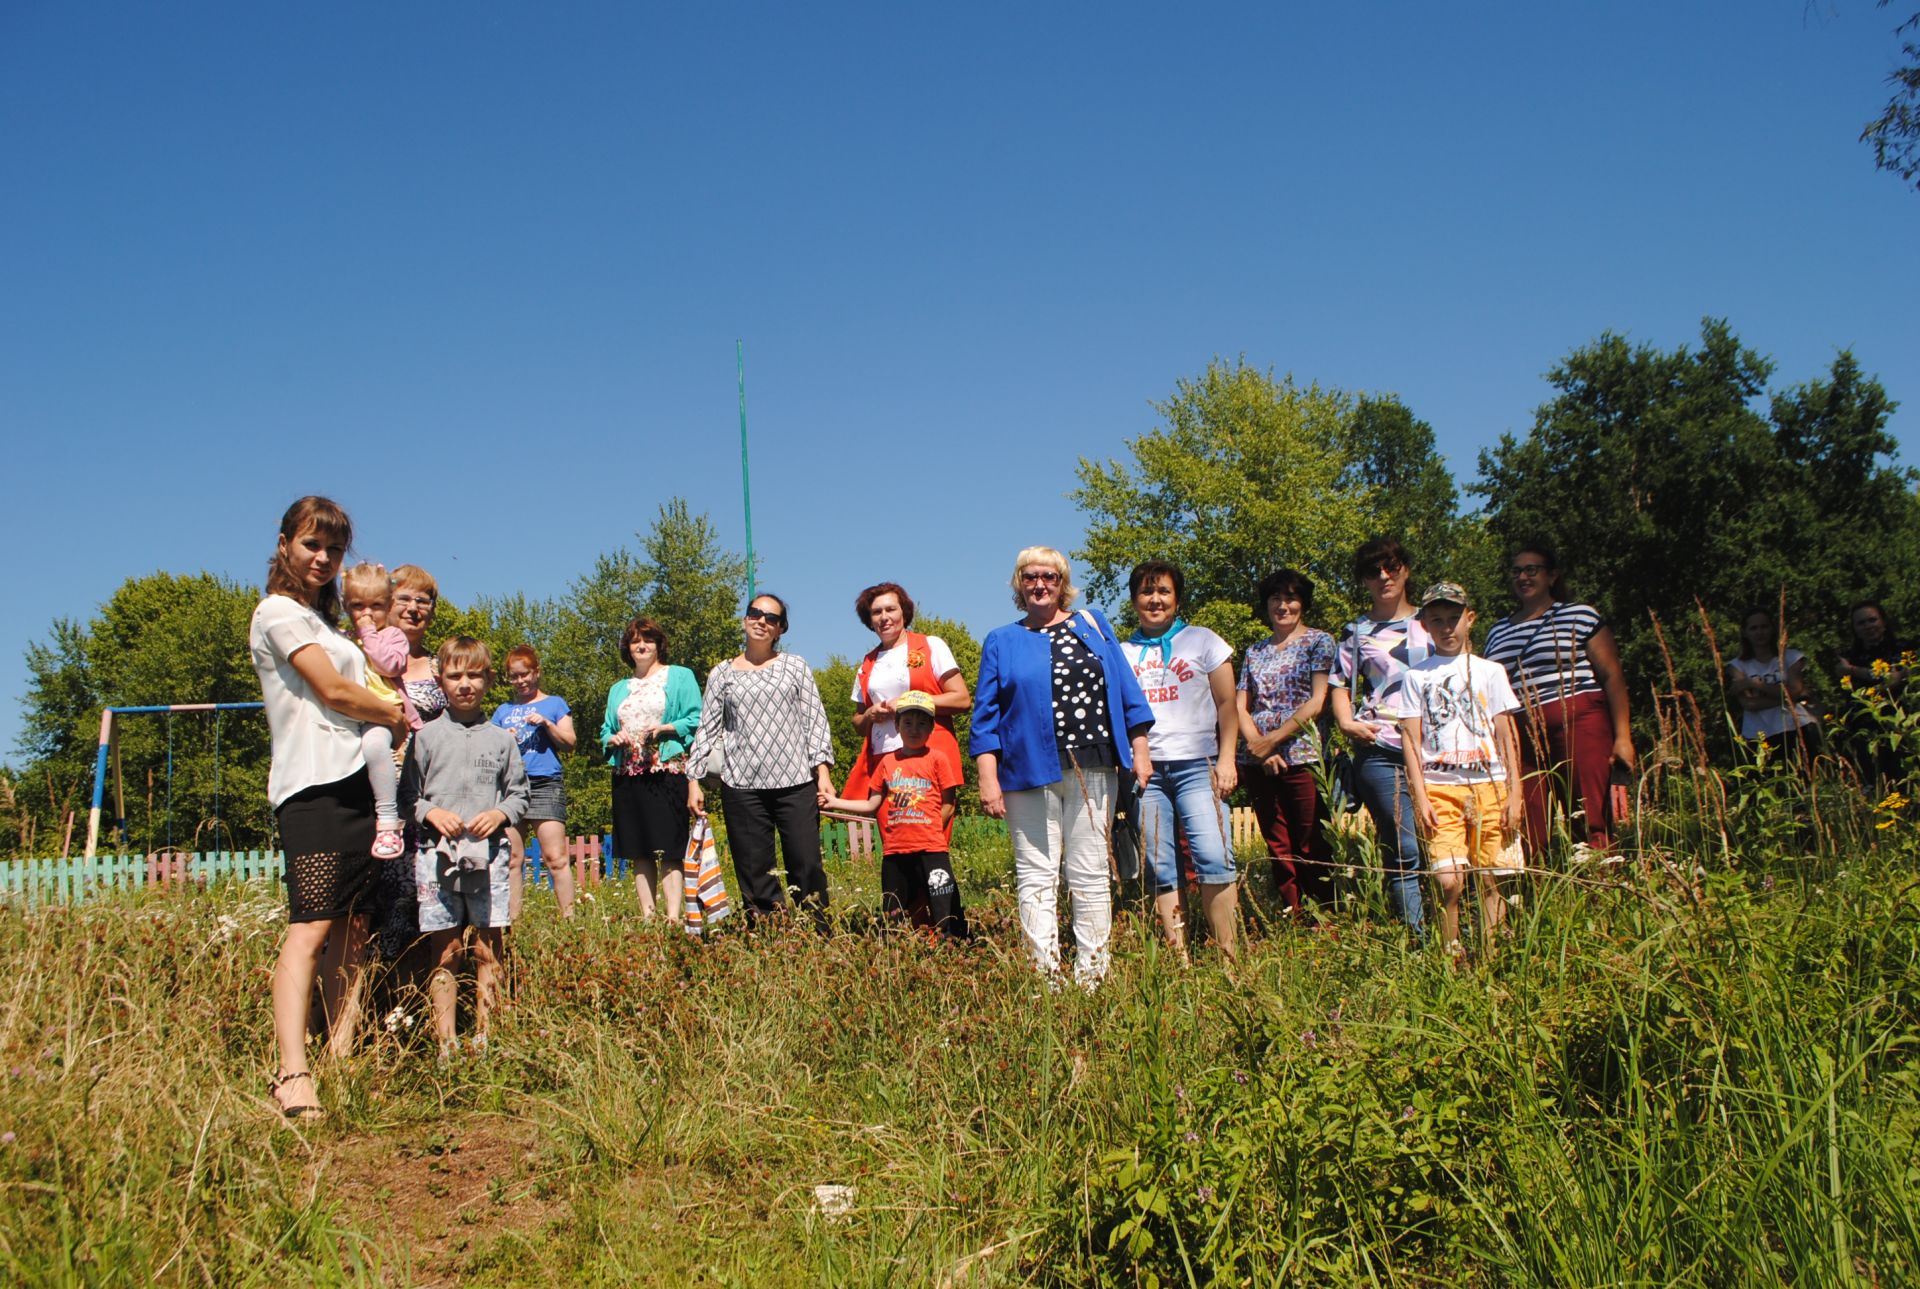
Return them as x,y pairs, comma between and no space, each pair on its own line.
1309,1039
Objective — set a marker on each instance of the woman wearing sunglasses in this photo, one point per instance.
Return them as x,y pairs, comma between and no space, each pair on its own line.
764,731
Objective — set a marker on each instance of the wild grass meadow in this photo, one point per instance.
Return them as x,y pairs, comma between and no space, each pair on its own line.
1697,1067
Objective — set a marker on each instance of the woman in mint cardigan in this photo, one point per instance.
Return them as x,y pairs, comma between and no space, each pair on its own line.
649,725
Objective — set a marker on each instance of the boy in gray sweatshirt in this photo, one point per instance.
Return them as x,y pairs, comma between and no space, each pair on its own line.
464,784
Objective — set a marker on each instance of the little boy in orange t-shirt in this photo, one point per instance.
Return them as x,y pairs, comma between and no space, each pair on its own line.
914,790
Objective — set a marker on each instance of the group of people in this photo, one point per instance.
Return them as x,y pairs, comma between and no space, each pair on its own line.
1458,758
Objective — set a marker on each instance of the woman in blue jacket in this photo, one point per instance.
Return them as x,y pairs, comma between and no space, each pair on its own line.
649,725
1057,718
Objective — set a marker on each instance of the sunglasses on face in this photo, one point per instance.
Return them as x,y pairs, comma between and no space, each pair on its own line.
1040,575
1527,570
766,615
1380,570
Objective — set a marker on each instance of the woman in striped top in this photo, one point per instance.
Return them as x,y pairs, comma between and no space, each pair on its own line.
1573,721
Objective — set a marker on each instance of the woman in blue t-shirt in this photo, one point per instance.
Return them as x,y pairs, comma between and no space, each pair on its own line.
542,725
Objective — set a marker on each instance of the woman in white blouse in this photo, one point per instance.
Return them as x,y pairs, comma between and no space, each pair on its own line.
764,730
311,676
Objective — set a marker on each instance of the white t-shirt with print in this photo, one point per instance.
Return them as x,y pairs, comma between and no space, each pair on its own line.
890,680
1775,718
1186,724
312,743
1457,722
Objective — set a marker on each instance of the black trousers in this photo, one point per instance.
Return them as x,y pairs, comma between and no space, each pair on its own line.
754,815
919,885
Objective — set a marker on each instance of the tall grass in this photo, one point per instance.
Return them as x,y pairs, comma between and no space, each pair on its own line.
1690,1070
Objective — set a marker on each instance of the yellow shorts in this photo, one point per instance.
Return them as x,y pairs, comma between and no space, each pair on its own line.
1470,831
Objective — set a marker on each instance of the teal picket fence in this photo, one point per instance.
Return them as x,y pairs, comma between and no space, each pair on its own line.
74,878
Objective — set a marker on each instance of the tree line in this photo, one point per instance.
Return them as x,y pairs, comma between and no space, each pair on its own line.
1680,488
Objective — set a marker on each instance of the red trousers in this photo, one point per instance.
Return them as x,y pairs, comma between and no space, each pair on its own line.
1291,819
1566,755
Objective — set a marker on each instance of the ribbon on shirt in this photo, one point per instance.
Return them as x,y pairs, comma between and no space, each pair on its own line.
1164,640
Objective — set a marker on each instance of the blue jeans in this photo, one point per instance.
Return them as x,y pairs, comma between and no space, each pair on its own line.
1183,791
1382,779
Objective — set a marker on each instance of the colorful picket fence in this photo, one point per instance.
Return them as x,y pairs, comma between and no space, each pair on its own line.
69,880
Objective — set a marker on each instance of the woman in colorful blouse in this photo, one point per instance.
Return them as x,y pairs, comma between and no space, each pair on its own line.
1574,719
1370,664
903,661
1057,717
1283,690
650,722
766,732
1186,673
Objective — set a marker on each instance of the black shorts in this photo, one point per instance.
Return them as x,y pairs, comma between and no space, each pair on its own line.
327,832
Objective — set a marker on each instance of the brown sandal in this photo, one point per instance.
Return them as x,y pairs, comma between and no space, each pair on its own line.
279,1081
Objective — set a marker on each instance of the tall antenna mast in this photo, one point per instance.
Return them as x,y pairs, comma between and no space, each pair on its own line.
746,488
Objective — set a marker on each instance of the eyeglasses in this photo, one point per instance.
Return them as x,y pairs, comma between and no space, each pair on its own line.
755,614
1380,570
1527,570
1043,575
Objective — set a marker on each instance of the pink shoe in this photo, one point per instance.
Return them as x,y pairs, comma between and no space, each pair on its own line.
387,844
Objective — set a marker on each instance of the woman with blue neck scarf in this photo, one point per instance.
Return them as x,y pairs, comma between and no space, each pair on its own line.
1187,675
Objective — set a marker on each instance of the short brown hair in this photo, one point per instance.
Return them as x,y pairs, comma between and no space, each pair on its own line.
1380,552
412,577
465,651
635,630
863,604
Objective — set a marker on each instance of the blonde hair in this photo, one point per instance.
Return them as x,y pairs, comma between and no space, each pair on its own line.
1054,560
412,577
465,651
370,583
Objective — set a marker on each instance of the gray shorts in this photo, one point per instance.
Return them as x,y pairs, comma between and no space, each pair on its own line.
546,799
444,910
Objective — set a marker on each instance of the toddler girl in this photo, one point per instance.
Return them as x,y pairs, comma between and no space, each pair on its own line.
369,597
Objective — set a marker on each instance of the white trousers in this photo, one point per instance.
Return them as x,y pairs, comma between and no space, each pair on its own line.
1063,828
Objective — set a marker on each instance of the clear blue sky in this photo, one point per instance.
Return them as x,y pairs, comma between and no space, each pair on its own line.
477,270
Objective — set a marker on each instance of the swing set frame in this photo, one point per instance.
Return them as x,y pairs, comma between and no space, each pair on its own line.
109,750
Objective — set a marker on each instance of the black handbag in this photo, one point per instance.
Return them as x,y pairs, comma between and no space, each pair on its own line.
1126,828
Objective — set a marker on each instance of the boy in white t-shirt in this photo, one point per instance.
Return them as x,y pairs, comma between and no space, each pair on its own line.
1462,753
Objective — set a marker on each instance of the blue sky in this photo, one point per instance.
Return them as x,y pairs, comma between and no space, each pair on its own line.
477,271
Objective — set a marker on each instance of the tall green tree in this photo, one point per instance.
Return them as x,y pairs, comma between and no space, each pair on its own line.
1249,473
189,780
1663,486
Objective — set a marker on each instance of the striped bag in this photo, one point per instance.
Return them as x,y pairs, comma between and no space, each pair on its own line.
706,891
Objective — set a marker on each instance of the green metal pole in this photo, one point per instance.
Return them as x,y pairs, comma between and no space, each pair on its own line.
746,488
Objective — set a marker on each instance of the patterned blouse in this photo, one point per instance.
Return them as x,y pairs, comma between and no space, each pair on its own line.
771,729
1082,728
641,711
1383,651
1277,680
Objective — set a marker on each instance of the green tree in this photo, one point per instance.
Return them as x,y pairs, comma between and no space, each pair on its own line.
1895,133
189,780
1663,487
1250,473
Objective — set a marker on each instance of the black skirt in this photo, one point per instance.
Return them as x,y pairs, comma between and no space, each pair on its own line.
327,833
